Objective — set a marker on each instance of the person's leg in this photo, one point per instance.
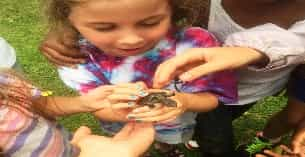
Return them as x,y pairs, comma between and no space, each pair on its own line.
239,110
287,119
214,130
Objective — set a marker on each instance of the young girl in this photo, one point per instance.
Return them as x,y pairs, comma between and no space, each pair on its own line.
275,44
27,117
126,51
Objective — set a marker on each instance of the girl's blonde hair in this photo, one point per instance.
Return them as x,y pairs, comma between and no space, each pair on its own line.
185,13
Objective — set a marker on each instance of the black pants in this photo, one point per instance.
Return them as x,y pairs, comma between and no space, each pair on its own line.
214,130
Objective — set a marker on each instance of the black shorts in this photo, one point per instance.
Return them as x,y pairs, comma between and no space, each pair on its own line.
296,87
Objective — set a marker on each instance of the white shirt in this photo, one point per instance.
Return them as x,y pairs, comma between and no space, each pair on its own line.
7,55
284,47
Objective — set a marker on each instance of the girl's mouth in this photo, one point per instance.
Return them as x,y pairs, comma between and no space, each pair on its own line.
132,51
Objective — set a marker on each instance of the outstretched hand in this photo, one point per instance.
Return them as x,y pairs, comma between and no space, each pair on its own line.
132,141
298,141
197,62
270,153
61,50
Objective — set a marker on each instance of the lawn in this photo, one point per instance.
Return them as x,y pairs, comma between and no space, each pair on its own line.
22,27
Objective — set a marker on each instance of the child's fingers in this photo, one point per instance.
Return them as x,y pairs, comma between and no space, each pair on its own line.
151,113
122,97
286,149
260,155
133,86
146,108
57,62
168,120
128,91
162,117
105,88
169,92
79,134
271,153
123,105
124,132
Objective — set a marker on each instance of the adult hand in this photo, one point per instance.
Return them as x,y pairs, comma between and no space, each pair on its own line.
197,62
285,152
298,142
132,141
61,49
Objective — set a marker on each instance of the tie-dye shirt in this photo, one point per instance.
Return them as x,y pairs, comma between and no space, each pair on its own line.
102,69
24,133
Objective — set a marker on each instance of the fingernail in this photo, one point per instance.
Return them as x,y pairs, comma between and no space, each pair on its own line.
138,120
143,93
139,87
135,111
130,103
185,76
133,97
178,81
130,117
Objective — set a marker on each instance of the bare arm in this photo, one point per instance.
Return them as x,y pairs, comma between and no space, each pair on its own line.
197,62
94,100
199,102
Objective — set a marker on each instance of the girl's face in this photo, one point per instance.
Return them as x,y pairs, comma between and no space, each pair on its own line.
122,27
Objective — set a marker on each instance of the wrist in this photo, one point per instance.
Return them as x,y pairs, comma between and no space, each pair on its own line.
83,104
182,98
259,59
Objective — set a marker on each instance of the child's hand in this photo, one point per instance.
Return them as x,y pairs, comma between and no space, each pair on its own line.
132,141
96,99
125,95
204,61
298,143
121,101
161,113
270,153
61,49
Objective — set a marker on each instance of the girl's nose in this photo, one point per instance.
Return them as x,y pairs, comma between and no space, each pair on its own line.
131,40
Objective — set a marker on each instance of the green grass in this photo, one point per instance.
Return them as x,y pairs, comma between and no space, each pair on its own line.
21,26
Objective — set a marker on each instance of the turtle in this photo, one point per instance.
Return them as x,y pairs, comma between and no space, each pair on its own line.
158,97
